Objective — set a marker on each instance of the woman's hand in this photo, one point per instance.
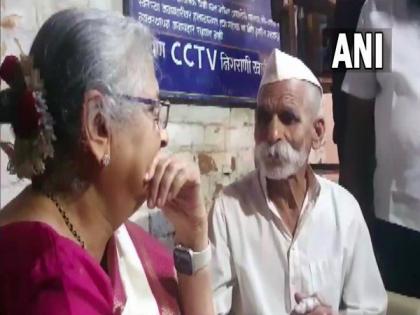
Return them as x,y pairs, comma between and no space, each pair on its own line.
174,187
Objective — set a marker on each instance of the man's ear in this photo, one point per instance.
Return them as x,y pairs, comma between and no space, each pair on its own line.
95,126
318,133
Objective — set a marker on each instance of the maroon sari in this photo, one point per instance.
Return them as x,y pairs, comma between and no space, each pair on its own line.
44,273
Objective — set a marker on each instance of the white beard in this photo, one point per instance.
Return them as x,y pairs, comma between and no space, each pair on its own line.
280,160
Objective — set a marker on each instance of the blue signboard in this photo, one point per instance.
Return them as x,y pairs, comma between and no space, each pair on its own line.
211,48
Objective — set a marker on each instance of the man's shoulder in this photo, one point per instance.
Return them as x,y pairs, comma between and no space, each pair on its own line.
242,183
240,188
244,191
343,203
334,188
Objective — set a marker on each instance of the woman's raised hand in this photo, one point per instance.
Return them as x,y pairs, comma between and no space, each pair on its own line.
174,187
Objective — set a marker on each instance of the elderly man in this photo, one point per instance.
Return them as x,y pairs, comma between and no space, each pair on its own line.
286,241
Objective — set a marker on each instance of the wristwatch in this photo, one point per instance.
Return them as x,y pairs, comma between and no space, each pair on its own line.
188,262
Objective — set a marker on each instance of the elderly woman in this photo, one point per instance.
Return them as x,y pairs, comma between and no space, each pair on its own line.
89,127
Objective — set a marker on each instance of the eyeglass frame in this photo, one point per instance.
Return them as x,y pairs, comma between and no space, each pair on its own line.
157,106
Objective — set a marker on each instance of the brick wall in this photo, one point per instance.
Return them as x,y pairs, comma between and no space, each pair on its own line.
219,139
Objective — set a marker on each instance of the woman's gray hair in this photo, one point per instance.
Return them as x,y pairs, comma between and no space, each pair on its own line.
81,49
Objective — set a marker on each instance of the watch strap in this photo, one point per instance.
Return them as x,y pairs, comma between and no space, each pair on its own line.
188,261
201,259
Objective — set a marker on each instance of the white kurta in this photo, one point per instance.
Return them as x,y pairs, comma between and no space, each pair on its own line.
258,267
397,109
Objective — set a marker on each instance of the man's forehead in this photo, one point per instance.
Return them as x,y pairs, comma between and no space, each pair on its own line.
286,90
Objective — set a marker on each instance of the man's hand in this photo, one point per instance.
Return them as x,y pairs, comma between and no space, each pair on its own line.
310,305
175,188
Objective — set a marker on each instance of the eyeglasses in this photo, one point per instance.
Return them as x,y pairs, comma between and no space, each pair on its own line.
160,108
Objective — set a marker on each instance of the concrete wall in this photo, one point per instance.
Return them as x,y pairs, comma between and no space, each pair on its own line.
219,139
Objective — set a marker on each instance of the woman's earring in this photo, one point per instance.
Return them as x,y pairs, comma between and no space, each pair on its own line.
106,159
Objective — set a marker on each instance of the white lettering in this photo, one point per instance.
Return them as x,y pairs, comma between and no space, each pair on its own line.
212,59
260,32
204,32
205,19
379,53
177,61
224,10
183,27
159,49
239,14
178,12
199,49
202,4
254,18
342,52
362,48
189,62
233,26
225,61
256,66
188,2
218,35
212,7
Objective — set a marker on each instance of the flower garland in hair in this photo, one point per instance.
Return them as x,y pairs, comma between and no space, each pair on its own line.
33,123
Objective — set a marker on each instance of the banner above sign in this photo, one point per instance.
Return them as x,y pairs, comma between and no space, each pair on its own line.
212,48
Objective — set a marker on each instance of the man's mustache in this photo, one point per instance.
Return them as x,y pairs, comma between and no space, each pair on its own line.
281,151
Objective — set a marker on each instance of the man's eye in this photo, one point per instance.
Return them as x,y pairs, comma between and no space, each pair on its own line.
288,118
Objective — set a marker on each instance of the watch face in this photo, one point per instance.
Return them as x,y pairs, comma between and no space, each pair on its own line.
183,261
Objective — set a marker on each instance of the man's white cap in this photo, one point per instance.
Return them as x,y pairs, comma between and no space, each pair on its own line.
281,66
